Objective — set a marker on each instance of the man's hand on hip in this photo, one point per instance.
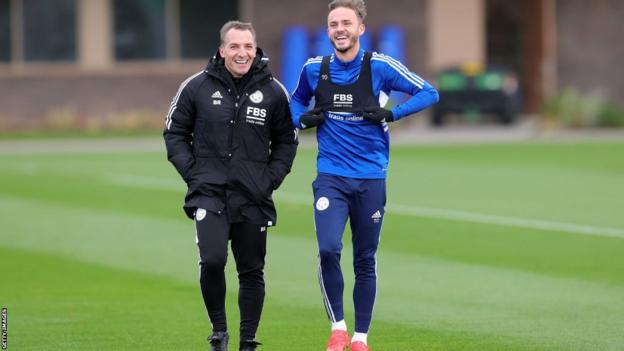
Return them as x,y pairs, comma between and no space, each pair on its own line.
312,118
378,114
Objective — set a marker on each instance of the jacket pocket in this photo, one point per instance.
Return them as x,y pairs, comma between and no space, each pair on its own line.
209,203
208,170
252,179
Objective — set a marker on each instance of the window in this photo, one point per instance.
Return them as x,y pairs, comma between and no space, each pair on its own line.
49,30
139,29
5,34
200,21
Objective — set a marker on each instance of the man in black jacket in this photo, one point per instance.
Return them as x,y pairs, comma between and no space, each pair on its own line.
229,135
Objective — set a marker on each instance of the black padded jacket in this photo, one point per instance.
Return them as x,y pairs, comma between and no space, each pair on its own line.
233,144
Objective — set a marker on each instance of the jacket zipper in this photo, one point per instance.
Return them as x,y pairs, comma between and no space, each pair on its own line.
233,121
240,101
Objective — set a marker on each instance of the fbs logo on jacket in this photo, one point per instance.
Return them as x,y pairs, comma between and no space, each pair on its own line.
343,100
256,115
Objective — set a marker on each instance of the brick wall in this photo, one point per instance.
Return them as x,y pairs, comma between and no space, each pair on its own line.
87,101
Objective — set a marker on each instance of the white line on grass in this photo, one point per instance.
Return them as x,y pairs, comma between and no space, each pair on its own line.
465,216
506,221
407,210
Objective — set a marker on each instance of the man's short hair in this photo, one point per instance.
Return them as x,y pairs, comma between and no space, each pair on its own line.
236,25
356,5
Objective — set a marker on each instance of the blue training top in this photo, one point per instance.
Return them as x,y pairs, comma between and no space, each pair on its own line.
349,146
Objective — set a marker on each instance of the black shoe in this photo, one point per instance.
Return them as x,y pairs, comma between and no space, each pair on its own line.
249,345
218,341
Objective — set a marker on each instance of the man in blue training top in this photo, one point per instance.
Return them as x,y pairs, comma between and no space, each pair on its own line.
350,87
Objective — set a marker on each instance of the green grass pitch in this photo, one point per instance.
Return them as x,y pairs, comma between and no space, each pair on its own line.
510,246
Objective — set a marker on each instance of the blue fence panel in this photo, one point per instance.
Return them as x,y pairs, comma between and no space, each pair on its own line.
321,46
294,54
392,43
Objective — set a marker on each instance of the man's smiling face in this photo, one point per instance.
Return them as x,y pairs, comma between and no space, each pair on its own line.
238,50
344,29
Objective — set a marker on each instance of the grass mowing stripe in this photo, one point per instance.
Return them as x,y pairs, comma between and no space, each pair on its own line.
556,254
516,287
79,146
168,184
55,180
581,257
72,305
416,291
130,180
60,304
554,183
580,182
505,221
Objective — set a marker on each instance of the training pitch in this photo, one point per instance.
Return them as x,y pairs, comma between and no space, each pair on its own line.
508,246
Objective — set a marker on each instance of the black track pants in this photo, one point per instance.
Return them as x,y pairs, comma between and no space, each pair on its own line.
249,249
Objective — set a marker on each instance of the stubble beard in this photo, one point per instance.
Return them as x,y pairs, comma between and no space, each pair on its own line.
352,41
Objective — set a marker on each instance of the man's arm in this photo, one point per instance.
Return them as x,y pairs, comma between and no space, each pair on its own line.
178,133
283,141
396,76
420,100
301,96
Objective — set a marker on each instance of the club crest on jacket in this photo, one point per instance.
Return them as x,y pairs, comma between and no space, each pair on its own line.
200,214
256,97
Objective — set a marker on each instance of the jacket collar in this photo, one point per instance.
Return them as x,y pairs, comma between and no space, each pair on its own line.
356,62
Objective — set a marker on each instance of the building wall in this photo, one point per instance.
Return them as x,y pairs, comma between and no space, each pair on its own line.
456,33
590,46
135,100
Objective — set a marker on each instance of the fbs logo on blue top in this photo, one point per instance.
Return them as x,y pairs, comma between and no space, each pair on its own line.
343,100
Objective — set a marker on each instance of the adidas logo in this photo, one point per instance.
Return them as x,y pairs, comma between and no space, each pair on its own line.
217,95
376,216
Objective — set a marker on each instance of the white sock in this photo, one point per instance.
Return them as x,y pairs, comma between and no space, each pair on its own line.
360,337
340,325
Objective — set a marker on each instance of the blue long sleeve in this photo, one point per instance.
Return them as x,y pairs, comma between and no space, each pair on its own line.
391,75
426,97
